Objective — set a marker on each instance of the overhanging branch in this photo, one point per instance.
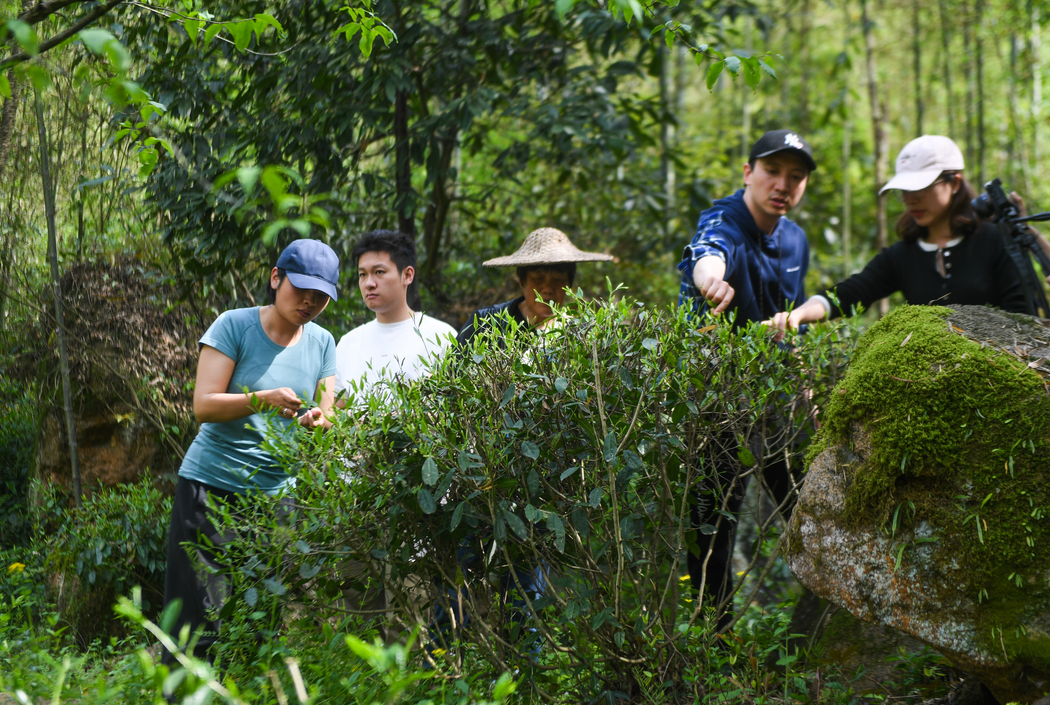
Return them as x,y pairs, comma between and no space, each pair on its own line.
43,10
54,41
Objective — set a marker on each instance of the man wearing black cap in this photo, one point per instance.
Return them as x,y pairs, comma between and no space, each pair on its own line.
746,257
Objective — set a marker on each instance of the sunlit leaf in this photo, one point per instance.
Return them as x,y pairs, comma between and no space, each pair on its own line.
595,498
248,176
713,73
25,35
562,7
274,586
610,446
457,516
263,20
96,39
516,524
430,472
212,32
242,33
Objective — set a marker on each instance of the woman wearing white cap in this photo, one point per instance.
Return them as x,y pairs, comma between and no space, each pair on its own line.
945,256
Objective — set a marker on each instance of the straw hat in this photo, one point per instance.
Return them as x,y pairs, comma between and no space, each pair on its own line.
546,246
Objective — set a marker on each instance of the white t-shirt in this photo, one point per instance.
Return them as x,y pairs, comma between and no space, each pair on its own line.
369,353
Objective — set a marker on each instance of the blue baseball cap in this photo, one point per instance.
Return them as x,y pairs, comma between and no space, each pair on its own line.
311,264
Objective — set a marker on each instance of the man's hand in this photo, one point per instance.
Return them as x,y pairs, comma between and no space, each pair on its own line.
708,277
812,310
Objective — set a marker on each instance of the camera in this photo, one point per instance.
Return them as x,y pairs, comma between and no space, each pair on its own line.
1020,241
994,204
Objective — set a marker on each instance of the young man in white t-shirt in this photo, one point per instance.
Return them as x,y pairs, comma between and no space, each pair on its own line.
400,342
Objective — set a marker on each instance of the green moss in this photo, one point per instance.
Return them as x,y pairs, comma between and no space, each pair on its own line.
959,432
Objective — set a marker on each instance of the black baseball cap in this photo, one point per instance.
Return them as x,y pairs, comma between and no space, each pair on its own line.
783,141
311,264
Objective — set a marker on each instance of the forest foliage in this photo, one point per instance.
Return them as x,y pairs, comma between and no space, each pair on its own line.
199,138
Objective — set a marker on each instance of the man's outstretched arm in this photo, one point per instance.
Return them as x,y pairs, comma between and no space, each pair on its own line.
708,276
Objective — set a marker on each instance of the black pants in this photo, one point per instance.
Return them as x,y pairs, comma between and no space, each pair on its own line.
705,512
203,590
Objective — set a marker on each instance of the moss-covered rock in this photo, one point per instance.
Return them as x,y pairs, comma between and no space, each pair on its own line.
924,504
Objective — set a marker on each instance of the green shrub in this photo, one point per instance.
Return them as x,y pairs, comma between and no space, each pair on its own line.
577,451
117,540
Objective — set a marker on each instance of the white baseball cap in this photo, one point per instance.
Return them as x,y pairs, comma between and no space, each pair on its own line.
923,160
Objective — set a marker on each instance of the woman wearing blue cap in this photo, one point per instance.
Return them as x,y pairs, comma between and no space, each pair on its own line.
256,367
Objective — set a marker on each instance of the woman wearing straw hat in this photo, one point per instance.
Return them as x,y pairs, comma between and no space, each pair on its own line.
944,255
546,264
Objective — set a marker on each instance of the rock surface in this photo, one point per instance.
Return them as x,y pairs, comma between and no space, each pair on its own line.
132,356
935,538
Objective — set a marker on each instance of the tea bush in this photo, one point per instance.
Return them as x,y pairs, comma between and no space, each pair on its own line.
87,557
574,454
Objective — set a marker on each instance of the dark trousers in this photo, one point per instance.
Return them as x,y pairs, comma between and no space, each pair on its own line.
205,588
532,580
705,513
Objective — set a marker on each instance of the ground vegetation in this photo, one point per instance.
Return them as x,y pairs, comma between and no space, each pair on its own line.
189,141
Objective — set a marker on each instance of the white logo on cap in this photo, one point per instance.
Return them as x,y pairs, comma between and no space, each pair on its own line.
792,140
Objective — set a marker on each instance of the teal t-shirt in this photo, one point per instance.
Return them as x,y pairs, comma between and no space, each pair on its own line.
229,455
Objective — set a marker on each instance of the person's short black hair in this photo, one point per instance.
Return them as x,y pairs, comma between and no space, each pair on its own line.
565,267
402,251
281,274
400,247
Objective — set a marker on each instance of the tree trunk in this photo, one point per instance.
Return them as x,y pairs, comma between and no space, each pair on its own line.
1018,150
847,136
1037,87
948,58
803,64
968,70
7,119
82,193
878,121
917,61
979,56
404,202
437,210
785,72
667,134
56,292
745,103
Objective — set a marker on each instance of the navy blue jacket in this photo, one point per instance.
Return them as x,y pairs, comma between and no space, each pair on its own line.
767,272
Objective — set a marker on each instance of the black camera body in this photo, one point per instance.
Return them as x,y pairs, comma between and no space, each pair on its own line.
994,204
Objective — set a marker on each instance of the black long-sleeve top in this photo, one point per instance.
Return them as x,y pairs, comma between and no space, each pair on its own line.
979,271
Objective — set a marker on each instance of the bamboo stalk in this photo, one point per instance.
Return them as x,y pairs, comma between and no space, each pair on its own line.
56,292
878,122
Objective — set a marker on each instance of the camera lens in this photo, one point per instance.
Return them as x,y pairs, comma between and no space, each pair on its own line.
982,207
